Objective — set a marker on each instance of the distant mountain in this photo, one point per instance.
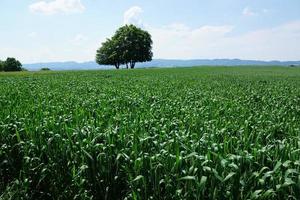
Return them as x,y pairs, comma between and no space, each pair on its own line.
159,63
65,66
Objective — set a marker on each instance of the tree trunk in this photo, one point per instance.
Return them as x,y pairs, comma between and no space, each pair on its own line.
132,64
126,65
117,65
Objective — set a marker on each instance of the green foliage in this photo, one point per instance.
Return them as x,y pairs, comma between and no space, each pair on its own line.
197,133
129,45
135,44
45,69
109,54
11,64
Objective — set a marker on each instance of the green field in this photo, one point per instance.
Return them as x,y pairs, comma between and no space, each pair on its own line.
184,133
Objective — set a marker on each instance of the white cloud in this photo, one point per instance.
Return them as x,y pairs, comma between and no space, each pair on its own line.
180,41
57,6
183,42
248,12
133,16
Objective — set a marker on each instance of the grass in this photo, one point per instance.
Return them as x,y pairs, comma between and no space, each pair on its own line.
186,133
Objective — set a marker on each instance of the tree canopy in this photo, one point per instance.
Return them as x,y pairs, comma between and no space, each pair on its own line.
129,45
11,64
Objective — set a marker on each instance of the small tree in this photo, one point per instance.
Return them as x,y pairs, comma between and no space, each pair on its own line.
11,64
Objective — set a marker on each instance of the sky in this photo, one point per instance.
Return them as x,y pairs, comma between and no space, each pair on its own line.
72,30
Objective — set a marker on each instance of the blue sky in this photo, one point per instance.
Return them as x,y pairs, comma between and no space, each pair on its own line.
64,30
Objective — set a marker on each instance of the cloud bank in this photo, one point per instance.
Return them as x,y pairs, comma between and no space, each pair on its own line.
181,41
57,6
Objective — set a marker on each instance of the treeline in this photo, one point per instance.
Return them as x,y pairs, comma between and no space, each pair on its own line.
11,65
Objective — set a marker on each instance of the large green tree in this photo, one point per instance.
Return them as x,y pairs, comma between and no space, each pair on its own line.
129,45
11,64
135,45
